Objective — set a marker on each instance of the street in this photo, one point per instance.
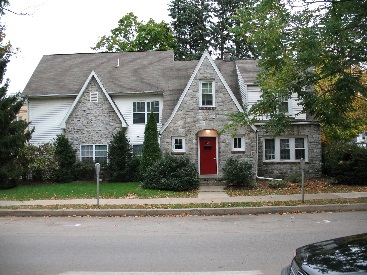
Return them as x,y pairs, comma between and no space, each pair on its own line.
261,244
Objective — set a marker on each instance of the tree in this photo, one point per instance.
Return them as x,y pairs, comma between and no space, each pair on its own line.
134,35
66,158
222,37
304,48
151,151
13,134
191,21
120,159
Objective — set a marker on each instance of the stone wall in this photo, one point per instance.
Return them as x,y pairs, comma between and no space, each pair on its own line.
190,120
92,122
281,170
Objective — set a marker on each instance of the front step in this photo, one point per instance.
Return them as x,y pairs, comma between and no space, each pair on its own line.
211,180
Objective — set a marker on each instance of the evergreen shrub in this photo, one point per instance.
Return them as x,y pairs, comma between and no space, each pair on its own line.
174,173
66,158
84,171
347,163
238,173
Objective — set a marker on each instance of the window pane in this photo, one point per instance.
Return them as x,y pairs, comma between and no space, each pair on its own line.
101,150
178,144
207,88
285,151
153,106
139,107
299,143
269,149
138,118
300,153
207,100
237,143
86,151
137,149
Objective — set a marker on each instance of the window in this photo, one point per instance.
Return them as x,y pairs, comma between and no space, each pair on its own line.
93,96
269,149
93,153
178,144
285,149
238,143
207,95
137,149
141,111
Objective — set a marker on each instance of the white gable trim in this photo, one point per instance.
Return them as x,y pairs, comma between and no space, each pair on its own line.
93,74
205,55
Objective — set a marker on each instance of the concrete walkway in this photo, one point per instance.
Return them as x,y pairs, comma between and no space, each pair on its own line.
207,194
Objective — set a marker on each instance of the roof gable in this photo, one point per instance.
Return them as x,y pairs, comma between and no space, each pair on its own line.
91,76
194,74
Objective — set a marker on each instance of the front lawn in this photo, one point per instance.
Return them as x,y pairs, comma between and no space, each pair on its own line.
86,190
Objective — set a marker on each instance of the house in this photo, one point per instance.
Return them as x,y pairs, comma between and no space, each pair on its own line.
89,97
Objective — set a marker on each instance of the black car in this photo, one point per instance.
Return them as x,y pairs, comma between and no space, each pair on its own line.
346,255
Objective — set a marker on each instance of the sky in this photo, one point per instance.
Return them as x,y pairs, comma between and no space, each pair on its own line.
65,27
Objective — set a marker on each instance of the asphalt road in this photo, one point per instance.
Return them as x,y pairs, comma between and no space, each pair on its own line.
215,244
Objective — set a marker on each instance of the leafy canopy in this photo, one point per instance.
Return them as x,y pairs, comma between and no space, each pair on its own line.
134,35
309,46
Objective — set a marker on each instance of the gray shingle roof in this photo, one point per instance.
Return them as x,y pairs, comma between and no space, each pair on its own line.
137,72
128,72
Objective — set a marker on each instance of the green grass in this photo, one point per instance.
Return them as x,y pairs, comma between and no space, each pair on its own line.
86,190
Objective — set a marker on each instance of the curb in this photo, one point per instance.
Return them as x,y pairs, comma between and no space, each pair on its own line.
182,212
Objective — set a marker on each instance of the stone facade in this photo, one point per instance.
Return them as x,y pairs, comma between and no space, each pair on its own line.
92,122
191,121
281,170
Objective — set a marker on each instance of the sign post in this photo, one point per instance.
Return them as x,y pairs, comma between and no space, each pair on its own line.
98,169
302,163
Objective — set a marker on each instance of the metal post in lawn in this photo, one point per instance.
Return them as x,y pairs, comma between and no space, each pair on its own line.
302,162
98,169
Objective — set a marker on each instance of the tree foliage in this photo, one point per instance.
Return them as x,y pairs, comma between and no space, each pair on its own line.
151,151
13,134
134,35
201,25
320,46
66,159
121,165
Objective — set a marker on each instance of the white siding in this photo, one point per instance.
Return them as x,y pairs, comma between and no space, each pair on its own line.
295,109
46,115
135,132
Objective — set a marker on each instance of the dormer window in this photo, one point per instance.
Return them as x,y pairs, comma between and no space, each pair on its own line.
207,94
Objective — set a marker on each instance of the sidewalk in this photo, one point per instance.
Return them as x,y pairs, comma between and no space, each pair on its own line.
207,194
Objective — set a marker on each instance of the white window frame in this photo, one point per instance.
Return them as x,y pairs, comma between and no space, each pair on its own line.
93,151
178,150
292,148
147,107
242,139
201,93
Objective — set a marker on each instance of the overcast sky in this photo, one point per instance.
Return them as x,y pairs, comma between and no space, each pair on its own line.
64,27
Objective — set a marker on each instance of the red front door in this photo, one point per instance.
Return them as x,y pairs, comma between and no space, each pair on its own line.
208,155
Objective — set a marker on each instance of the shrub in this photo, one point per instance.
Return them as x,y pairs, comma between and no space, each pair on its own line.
151,151
174,173
120,166
275,184
66,158
295,177
84,171
44,165
238,173
347,163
